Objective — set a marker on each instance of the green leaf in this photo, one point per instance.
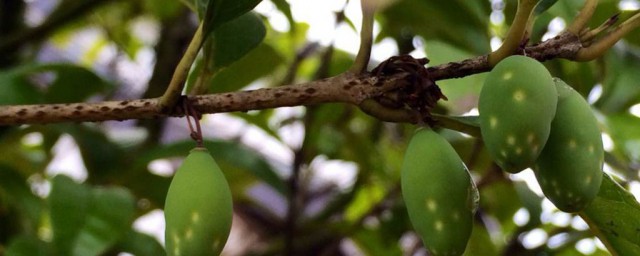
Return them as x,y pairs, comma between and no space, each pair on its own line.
109,217
214,13
367,196
163,9
620,88
543,5
16,87
69,205
259,62
15,193
373,242
68,83
623,129
615,216
463,24
72,83
140,244
233,40
480,242
284,7
501,200
27,245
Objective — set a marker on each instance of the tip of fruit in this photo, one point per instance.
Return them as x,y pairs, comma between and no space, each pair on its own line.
198,148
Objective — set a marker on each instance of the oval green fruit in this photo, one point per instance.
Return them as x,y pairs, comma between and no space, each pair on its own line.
569,169
517,103
198,208
439,193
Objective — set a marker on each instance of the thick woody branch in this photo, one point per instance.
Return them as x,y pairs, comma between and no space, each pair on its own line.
346,88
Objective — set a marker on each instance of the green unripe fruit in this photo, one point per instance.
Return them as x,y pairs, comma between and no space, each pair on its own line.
516,105
198,209
439,194
569,169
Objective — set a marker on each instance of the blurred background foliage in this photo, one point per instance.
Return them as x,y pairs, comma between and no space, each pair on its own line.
317,180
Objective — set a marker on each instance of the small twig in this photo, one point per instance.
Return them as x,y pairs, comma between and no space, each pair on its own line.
583,17
598,48
174,91
586,37
366,37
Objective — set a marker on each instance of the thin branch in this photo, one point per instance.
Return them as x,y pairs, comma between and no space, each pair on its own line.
587,36
174,91
345,88
518,28
598,48
583,17
366,37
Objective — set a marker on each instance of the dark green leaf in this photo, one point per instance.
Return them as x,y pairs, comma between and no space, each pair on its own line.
214,13
140,244
259,62
68,83
72,83
69,204
480,242
110,215
16,87
543,5
27,246
285,8
620,88
373,242
462,24
163,8
623,129
501,200
233,40
614,215
16,194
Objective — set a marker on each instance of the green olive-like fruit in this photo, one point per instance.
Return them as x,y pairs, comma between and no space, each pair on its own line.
517,103
439,193
198,208
569,169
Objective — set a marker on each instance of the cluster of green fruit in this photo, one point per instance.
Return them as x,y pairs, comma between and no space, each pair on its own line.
527,120
198,208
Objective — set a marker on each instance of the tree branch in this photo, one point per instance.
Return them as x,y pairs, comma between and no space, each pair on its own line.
346,88
59,18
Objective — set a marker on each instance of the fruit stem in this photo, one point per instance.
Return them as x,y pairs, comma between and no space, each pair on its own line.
516,32
191,113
